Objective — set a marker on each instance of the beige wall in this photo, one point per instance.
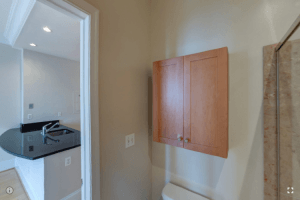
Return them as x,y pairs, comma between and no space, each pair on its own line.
180,27
124,67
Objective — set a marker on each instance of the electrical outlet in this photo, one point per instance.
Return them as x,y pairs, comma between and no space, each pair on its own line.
129,140
67,161
59,114
30,148
29,116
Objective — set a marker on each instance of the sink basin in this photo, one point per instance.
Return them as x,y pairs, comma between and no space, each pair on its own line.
60,132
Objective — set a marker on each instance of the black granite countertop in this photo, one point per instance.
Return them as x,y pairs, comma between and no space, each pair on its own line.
30,145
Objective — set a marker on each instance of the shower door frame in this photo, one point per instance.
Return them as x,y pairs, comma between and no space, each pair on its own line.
288,34
285,38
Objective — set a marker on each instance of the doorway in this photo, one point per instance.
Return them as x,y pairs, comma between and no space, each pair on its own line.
87,16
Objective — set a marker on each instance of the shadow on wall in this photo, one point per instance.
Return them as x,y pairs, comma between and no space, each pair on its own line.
239,131
255,153
238,99
150,118
205,171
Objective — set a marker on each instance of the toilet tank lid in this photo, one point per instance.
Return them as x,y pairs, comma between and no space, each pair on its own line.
174,192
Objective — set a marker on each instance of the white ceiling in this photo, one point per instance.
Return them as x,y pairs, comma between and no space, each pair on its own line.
4,14
63,41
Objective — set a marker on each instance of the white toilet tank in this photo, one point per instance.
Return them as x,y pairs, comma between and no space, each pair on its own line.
174,192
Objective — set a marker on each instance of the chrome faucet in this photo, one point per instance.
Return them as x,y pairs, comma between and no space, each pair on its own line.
45,133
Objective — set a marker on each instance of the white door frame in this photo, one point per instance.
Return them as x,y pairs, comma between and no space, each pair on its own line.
90,148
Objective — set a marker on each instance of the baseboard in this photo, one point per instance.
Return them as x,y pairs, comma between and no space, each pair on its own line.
72,195
7,164
22,184
27,187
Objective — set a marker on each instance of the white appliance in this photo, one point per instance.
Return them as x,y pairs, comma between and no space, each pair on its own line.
174,192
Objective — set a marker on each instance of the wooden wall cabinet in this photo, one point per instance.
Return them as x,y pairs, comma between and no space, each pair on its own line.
190,102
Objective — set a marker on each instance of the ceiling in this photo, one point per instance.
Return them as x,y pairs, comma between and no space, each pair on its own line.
63,41
4,14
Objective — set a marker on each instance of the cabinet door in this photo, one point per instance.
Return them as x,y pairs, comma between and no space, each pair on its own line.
168,101
206,102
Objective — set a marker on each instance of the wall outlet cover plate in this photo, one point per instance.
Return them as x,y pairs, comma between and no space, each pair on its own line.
129,140
67,161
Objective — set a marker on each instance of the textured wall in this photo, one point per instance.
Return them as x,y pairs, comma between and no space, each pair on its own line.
180,27
289,85
10,96
124,67
270,131
289,88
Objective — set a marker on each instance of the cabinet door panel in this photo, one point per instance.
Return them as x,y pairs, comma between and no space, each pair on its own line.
168,101
206,102
203,91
